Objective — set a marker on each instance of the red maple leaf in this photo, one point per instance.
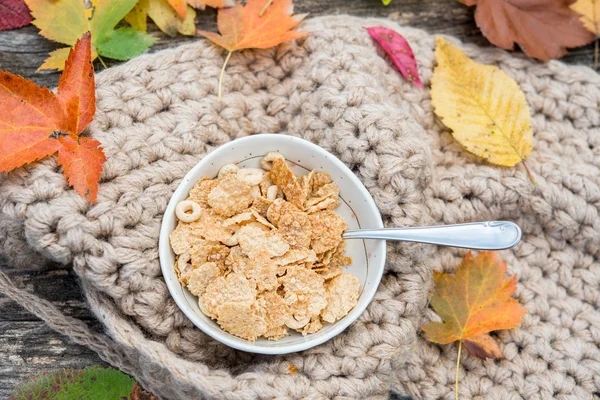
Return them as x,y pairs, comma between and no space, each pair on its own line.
36,123
13,14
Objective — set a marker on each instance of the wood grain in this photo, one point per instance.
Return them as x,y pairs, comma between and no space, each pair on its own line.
27,346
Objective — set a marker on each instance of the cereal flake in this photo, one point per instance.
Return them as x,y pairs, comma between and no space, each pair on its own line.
342,296
231,196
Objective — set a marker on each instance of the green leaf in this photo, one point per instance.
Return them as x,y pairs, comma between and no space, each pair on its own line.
386,2
124,43
92,383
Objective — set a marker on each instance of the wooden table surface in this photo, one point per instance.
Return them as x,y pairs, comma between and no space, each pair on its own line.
27,345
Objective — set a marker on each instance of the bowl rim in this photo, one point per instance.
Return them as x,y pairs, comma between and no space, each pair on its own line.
164,248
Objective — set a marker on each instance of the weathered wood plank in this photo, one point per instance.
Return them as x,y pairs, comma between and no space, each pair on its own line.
22,51
58,284
28,348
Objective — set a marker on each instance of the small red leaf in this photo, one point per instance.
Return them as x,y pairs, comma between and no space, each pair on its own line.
399,51
13,14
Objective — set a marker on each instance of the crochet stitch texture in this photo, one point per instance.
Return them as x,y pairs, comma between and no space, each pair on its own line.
157,116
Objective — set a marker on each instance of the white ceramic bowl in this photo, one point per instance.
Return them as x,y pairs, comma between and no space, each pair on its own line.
357,208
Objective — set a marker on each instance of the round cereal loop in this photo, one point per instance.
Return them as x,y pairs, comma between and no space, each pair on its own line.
252,176
228,169
255,192
272,192
295,324
267,160
183,208
232,241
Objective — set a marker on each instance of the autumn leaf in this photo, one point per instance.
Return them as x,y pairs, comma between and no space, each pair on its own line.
259,24
543,28
36,123
164,16
472,303
589,11
399,51
484,107
13,14
65,21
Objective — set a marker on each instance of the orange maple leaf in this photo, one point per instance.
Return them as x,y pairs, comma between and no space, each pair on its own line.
473,303
258,25
36,123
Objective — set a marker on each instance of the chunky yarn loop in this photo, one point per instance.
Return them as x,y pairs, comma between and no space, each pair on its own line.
158,115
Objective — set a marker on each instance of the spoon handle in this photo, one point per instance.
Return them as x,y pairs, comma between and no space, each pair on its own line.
491,235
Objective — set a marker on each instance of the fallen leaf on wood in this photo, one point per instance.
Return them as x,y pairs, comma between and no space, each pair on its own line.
36,123
13,14
259,24
484,107
399,51
64,21
164,16
589,11
473,303
543,28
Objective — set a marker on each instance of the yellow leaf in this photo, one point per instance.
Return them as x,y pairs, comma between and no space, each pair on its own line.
483,106
58,57
590,14
138,15
164,16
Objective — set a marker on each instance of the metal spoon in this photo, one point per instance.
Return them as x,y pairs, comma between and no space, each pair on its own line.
490,235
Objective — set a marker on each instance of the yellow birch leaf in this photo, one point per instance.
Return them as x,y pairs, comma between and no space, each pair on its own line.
590,14
484,107
164,16
138,15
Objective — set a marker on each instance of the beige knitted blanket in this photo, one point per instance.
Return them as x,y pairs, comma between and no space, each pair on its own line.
158,115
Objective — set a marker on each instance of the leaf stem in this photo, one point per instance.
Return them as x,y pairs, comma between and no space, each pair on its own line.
265,8
221,77
457,366
102,61
529,174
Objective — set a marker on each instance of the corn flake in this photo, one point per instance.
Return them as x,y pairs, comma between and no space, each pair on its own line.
277,313
243,320
209,252
327,229
234,288
182,239
199,193
342,296
261,205
278,208
231,196
296,229
254,241
201,277
304,292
